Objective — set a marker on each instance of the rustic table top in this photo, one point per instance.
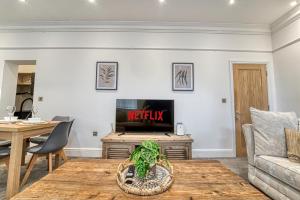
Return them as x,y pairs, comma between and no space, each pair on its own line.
19,127
96,179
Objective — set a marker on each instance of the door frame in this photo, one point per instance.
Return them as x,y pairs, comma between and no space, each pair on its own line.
270,89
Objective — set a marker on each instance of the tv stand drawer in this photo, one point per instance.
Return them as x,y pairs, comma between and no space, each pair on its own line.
118,151
120,147
176,152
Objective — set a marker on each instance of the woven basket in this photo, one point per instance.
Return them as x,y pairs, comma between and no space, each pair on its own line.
151,185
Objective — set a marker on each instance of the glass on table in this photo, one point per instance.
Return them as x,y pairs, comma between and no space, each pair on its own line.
11,111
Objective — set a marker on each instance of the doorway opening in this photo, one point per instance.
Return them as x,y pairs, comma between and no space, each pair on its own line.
25,91
18,87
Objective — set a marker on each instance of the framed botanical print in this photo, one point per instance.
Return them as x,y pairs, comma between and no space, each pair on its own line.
183,76
107,76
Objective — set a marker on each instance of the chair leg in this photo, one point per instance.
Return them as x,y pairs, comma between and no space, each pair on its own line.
63,155
7,162
47,158
29,168
57,160
26,144
50,163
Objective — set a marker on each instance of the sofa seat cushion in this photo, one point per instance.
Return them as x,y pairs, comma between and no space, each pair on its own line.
280,168
272,186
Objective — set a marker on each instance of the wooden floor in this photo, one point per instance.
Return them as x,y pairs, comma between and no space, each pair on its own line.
96,179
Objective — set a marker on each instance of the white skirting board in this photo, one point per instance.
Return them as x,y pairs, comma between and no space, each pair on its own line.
197,153
213,153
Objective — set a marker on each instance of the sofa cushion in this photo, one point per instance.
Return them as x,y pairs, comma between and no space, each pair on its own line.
280,168
269,136
293,144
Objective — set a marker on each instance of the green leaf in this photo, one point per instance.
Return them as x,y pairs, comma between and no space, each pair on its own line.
144,156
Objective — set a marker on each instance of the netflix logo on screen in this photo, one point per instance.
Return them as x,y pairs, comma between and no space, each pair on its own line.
136,115
144,115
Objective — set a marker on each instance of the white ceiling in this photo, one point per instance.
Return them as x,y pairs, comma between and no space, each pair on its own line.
200,11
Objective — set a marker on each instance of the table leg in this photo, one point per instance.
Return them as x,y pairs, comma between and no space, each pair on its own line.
13,180
26,144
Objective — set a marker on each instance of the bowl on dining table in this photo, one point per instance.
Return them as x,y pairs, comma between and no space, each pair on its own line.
34,119
11,119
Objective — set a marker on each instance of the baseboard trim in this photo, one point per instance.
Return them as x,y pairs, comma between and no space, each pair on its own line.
213,153
197,153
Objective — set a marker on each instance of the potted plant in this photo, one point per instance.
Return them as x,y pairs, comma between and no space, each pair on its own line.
145,157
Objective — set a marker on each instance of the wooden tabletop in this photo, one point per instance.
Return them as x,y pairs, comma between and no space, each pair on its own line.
19,127
96,179
139,137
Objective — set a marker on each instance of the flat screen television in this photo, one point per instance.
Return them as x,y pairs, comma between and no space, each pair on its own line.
142,115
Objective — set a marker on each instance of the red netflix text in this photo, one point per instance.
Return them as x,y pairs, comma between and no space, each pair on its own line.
145,115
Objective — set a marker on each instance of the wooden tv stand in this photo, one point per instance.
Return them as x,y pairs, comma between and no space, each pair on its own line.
117,146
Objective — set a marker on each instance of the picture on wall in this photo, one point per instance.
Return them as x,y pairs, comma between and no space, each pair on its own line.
183,76
107,76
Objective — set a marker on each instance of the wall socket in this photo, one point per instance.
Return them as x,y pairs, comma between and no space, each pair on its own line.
95,133
40,99
224,100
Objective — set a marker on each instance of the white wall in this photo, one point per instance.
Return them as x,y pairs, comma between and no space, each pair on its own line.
286,43
8,86
65,77
287,72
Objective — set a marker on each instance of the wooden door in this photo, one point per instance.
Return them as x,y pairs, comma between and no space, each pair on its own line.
250,90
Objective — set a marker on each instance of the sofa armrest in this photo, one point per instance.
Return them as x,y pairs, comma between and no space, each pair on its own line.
249,138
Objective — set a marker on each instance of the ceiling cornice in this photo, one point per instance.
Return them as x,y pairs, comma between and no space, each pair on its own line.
286,19
138,26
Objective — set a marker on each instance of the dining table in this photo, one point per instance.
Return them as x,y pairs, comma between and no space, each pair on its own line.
17,133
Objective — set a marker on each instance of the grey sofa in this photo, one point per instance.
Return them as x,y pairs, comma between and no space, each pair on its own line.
277,177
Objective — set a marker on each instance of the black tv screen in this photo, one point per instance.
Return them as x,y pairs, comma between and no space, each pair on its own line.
141,115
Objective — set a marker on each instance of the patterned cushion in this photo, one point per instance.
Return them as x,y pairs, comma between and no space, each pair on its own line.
269,136
280,168
293,144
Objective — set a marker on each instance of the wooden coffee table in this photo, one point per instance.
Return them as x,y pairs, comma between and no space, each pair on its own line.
96,179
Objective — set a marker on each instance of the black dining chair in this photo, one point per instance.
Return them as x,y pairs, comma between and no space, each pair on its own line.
4,155
54,145
42,138
5,143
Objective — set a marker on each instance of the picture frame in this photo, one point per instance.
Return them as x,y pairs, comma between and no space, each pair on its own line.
183,76
107,75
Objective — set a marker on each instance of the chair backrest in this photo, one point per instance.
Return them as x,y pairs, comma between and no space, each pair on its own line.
58,139
72,121
61,118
